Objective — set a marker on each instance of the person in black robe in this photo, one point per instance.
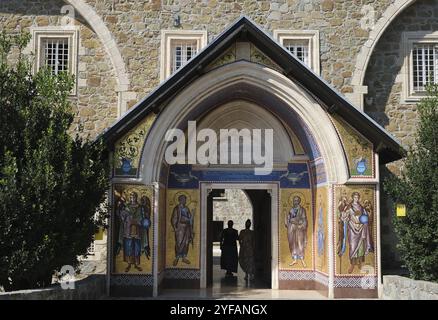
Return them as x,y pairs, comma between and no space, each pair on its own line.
229,257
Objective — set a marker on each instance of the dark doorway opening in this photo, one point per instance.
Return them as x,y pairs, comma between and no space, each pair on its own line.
261,224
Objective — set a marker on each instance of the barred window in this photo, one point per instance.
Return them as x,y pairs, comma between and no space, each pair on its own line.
56,54
56,48
182,52
299,48
303,44
424,58
178,47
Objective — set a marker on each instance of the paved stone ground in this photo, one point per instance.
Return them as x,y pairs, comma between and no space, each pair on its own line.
235,288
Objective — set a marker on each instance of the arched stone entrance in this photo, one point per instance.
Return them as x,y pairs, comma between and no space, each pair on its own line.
247,95
324,176
254,82
264,198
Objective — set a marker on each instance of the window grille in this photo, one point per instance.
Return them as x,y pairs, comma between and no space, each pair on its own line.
299,48
182,52
56,54
425,65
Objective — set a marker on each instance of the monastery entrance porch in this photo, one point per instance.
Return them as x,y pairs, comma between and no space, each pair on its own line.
324,183
264,224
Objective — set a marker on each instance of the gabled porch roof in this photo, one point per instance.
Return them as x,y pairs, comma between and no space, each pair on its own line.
246,30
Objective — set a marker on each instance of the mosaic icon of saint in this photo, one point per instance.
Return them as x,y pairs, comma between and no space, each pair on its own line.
355,228
182,224
134,229
321,233
296,224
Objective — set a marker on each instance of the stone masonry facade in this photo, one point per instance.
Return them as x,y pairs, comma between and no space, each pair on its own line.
96,100
136,26
384,102
234,205
122,37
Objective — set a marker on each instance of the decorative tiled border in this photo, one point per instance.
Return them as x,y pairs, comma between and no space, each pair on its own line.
182,274
296,275
303,275
363,282
132,280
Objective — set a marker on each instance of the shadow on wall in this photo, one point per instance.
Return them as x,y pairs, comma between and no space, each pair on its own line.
390,258
384,88
383,103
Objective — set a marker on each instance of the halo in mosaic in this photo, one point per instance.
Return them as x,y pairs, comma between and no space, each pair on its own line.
133,229
355,230
295,229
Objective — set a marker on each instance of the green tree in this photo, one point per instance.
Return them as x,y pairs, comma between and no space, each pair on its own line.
51,183
417,188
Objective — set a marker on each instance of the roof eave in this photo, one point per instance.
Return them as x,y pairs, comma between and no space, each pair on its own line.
333,102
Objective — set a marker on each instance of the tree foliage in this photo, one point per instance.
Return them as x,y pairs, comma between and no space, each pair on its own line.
51,183
417,188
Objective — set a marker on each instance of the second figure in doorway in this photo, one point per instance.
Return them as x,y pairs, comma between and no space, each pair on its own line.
246,252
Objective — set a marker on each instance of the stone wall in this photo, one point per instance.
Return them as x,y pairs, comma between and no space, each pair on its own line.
96,101
96,262
383,79
234,206
136,26
383,102
401,288
90,288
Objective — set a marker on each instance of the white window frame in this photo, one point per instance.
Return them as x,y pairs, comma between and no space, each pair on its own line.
409,39
67,32
312,36
168,37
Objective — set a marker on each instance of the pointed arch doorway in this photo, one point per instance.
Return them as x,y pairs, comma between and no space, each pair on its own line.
264,198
